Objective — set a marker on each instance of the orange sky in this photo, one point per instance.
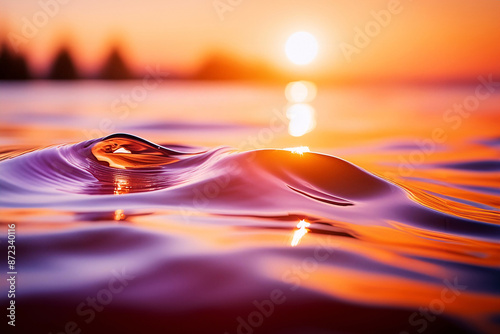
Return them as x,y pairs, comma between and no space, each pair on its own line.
426,39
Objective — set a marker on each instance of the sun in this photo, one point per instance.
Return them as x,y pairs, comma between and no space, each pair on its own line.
301,48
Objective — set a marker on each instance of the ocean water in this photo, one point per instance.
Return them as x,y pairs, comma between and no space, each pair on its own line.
224,208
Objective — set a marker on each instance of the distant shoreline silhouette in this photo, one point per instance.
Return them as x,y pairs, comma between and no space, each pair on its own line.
218,66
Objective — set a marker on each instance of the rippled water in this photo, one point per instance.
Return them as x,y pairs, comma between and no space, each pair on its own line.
210,223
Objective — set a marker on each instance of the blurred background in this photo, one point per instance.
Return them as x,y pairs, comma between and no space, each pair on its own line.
362,80
424,41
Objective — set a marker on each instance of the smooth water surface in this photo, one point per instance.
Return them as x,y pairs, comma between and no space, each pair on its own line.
191,210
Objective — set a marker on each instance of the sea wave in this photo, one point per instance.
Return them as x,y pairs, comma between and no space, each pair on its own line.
394,247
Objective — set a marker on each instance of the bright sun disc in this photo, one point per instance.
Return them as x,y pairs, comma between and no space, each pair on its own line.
301,48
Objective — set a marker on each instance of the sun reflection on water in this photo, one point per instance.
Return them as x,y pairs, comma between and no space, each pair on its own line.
298,150
119,215
298,234
300,91
302,120
121,186
300,113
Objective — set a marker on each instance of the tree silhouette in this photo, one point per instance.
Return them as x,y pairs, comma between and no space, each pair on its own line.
12,66
114,67
63,67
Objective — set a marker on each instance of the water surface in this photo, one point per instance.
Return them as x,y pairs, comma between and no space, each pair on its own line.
191,213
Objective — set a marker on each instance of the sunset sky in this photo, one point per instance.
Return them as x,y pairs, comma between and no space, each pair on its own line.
427,39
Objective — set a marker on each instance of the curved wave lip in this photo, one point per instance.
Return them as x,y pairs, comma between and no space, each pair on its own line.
125,151
242,205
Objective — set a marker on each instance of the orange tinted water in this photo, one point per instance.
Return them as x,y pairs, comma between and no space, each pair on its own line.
399,235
